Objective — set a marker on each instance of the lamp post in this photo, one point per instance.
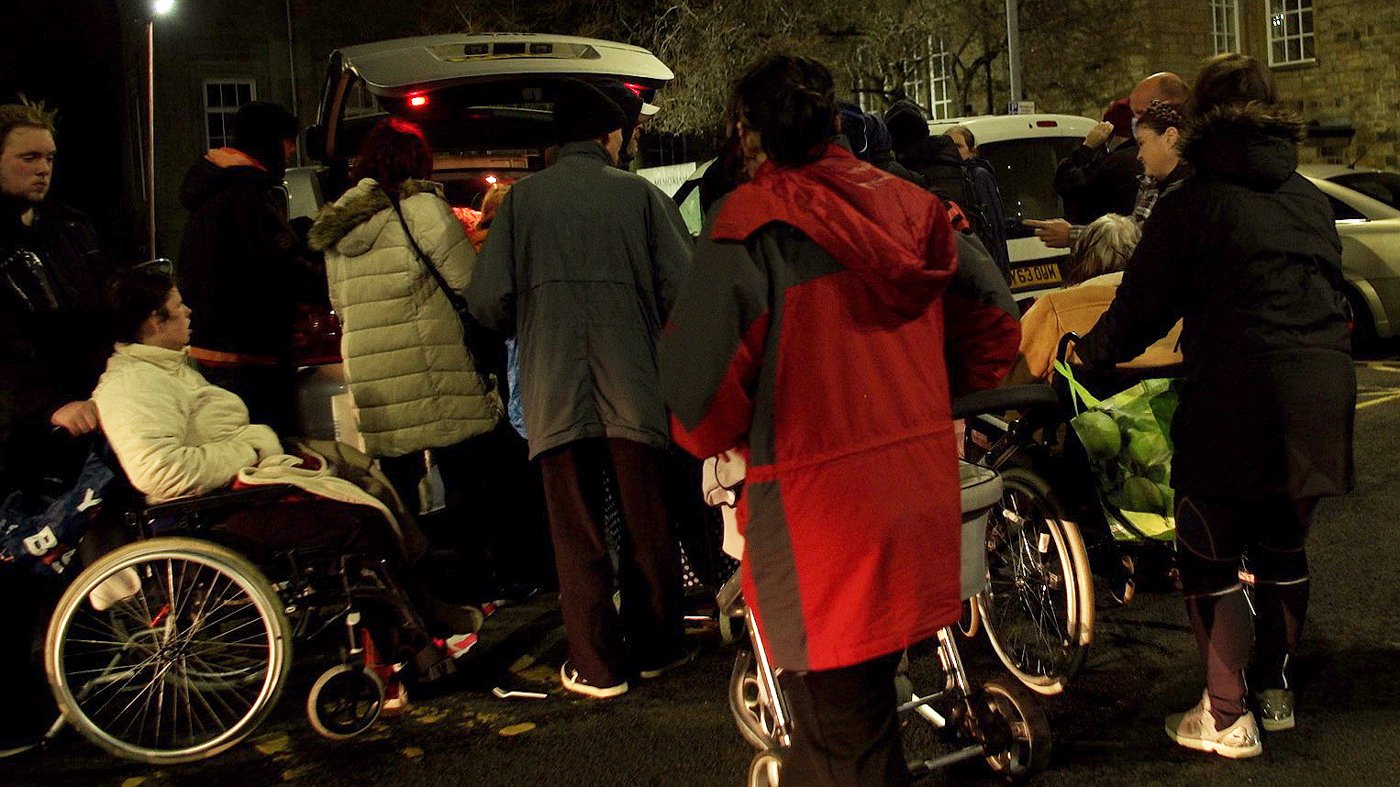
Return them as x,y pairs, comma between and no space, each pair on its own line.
158,8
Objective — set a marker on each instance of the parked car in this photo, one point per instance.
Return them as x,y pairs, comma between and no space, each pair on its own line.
1368,221
1025,151
485,104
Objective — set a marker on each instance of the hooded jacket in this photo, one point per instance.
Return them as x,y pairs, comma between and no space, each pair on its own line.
582,264
1246,254
812,335
241,266
411,376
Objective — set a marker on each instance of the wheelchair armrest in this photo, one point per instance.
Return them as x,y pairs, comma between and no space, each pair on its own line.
225,498
1033,397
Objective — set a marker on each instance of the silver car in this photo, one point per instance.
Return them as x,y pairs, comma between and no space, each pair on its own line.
1364,203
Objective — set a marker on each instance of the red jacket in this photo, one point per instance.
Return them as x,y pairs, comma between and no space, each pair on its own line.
811,333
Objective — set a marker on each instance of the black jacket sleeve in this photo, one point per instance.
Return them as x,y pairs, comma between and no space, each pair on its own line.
1153,294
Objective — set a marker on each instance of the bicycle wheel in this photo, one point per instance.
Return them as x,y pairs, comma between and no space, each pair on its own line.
1039,609
168,650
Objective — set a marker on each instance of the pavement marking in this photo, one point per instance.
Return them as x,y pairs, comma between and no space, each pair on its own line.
1391,397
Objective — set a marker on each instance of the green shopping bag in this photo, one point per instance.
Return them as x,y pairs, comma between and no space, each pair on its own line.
1128,439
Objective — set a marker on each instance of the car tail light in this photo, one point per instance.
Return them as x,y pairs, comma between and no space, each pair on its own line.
1046,124
418,102
635,88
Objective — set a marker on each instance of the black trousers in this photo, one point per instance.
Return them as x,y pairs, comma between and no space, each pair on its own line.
649,628
495,518
845,726
1212,536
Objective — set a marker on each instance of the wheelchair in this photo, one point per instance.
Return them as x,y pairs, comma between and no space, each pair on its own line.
175,647
1051,536
997,722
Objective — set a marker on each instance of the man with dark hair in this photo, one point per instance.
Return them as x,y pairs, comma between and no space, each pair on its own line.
242,266
583,264
51,273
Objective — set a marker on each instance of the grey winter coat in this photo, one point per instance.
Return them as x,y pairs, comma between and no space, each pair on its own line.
413,381
582,264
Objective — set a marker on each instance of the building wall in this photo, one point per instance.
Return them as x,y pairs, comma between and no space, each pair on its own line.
1355,80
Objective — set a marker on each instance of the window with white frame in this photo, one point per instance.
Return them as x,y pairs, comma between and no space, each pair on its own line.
941,106
1225,25
1291,38
222,98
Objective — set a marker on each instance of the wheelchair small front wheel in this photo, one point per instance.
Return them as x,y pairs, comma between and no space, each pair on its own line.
345,701
1014,730
750,703
765,769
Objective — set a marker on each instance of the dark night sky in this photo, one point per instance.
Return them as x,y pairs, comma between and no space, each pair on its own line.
69,54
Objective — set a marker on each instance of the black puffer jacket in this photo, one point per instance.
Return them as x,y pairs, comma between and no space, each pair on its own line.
1247,255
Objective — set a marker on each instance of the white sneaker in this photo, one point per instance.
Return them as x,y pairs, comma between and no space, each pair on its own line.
1195,729
579,685
114,589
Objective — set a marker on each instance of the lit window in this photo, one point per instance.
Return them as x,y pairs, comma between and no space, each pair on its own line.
1225,25
222,98
1291,38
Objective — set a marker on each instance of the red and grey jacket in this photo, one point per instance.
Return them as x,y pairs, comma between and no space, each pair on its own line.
811,334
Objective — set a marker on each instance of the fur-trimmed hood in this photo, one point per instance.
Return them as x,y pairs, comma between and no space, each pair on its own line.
349,225
1255,144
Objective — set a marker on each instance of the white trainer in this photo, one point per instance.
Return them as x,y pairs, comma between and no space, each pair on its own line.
1195,729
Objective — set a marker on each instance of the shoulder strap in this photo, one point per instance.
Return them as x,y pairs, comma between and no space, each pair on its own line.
453,298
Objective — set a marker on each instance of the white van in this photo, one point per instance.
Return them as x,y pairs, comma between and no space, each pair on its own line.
1024,151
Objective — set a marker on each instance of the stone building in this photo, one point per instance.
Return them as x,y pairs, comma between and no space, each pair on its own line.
1337,63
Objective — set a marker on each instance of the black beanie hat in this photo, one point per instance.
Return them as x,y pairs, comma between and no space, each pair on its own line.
259,129
582,111
630,103
907,123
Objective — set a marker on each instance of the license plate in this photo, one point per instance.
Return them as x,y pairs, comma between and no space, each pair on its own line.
1042,275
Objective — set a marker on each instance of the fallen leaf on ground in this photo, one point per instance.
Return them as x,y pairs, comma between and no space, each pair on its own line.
517,729
412,752
272,743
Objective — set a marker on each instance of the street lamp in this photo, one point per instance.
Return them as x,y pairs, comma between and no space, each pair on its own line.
158,8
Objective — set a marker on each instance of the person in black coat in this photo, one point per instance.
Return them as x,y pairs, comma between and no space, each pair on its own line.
1101,176
1245,252
242,267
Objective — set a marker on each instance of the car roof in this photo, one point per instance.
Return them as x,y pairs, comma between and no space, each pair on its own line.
999,128
397,66
1330,171
1372,209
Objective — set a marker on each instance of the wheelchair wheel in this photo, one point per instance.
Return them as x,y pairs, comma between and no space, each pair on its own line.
765,769
1015,733
168,650
345,701
750,704
1039,609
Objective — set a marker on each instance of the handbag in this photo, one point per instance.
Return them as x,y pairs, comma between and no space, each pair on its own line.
479,347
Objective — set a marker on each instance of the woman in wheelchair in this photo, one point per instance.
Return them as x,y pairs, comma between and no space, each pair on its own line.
1092,275
176,435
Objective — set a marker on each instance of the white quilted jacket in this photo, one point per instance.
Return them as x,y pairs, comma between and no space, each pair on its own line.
174,433
409,373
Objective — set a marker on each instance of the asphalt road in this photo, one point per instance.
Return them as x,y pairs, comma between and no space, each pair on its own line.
677,731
